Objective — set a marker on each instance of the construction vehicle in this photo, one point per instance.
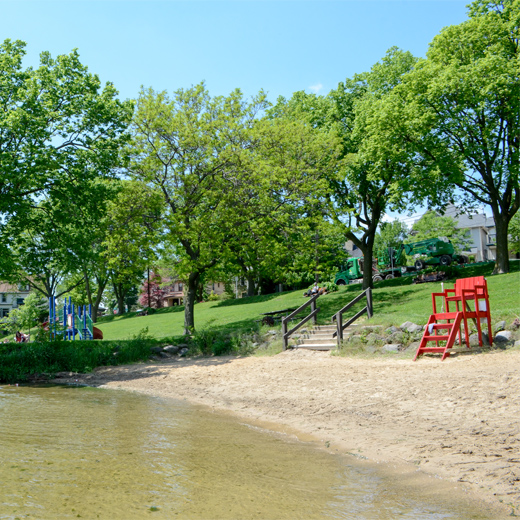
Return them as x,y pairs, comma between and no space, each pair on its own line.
434,251
389,263
352,272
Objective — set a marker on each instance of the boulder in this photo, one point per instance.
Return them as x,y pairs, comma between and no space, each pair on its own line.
515,325
183,352
405,325
392,347
501,325
156,350
413,346
413,328
473,340
396,337
503,336
173,349
373,338
391,330
517,343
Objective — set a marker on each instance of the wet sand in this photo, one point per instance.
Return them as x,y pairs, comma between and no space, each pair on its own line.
458,419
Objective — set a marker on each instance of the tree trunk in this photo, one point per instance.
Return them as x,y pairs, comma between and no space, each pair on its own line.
189,305
251,289
367,263
120,296
502,249
102,283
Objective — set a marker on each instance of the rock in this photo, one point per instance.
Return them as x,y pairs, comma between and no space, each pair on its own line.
517,343
391,330
414,328
373,338
183,352
473,340
172,349
515,325
156,350
405,325
501,325
413,346
272,332
396,337
503,336
392,347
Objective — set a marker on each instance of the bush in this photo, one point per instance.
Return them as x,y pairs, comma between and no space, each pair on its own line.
22,361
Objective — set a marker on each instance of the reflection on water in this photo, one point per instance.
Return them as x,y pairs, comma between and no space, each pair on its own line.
69,452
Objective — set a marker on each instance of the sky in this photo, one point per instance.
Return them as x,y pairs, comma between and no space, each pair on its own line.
279,46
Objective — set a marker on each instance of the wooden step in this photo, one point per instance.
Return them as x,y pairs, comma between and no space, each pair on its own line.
327,346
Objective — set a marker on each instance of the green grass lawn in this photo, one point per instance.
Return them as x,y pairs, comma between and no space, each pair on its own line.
395,301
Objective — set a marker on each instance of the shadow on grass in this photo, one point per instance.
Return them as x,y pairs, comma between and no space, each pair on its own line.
249,299
127,315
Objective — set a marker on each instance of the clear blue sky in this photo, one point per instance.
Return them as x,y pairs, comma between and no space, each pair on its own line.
278,46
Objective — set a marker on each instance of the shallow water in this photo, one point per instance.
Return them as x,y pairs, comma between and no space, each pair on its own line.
77,452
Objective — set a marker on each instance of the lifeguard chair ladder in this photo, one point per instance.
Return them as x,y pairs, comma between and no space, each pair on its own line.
440,321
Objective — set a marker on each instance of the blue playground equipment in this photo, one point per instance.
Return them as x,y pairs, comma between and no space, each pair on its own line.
70,320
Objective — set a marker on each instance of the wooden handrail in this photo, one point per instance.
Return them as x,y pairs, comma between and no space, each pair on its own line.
314,311
338,317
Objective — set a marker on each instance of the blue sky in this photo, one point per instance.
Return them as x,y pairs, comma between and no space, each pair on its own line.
278,46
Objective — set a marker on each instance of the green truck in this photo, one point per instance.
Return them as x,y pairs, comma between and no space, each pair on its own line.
390,263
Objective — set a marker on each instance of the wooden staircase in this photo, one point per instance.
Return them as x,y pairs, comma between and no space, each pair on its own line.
319,337
441,321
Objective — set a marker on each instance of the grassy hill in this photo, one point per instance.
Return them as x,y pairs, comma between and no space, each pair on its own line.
395,301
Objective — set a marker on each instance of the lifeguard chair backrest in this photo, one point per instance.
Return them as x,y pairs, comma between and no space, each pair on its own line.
476,283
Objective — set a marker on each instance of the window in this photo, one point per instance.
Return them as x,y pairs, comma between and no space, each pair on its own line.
4,313
19,301
180,286
4,298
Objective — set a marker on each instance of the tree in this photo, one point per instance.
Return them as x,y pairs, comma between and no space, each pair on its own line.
514,235
390,234
59,130
277,215
189,148
133,222
463,111
432,225
151,293
25,316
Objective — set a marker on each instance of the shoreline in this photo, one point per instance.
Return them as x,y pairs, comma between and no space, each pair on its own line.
458,419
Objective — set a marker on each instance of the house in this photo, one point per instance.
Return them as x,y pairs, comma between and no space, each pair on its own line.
11,297
481,230
174,290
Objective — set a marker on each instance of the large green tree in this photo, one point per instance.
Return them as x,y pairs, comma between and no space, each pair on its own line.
59,130
462,111
189,148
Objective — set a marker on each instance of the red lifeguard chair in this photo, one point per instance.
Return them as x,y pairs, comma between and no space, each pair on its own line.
471,299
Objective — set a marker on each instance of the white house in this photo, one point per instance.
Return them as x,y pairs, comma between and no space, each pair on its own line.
11,297
481,230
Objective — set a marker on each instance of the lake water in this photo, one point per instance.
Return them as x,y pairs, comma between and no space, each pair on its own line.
77,452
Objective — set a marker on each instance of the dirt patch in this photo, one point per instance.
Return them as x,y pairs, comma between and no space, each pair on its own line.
458,419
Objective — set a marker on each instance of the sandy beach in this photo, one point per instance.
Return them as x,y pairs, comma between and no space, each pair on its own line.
458,419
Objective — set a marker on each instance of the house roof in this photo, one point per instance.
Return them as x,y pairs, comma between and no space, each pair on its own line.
9,288
469,220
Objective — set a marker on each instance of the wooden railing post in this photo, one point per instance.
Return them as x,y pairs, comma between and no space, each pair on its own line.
313,308
339,325
284,334
370,309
